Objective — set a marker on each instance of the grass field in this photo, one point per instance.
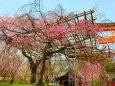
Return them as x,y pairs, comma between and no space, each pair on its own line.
18,84
14,84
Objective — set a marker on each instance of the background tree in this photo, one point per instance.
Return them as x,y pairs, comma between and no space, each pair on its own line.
109,66
9,63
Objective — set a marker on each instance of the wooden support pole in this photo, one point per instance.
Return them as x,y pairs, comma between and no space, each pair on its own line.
62,21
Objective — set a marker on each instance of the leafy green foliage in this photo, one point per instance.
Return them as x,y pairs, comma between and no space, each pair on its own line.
96,83
109,66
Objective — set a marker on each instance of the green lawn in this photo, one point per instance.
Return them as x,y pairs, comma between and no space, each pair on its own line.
17,84
14,84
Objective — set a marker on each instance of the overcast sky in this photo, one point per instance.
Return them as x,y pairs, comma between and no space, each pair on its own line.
104,7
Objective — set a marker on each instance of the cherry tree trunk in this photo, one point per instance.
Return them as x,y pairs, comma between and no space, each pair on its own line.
33,66
33,73
40,82
12,79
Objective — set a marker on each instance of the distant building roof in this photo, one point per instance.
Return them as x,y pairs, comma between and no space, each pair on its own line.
107,24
